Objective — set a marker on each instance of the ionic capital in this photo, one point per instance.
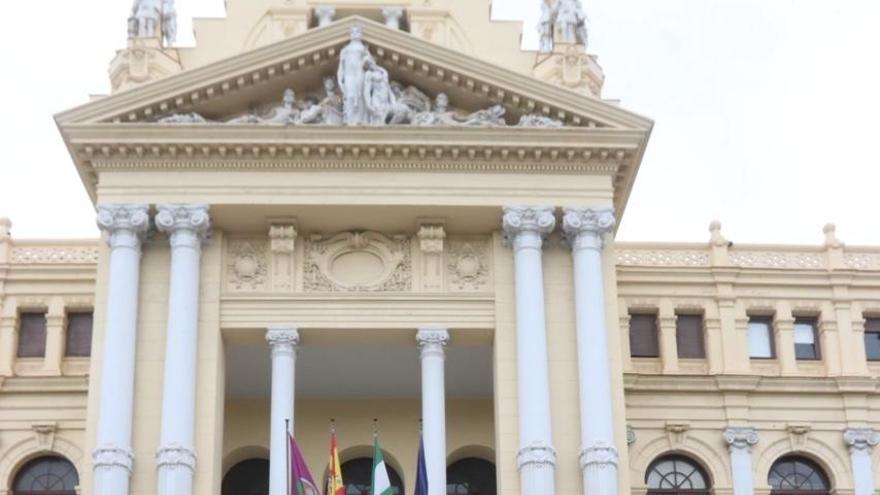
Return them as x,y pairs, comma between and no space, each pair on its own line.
538,453
283,340
740,439
432,341
861,439
187,225
600,455
109,456
125,224
176,456
527,226
584,227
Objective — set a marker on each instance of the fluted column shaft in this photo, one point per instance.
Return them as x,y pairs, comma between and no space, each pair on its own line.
113,458
525,229
186,226
283,342
584,228
433,355
861,442
741,441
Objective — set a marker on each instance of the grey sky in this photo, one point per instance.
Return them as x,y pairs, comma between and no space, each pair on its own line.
765,109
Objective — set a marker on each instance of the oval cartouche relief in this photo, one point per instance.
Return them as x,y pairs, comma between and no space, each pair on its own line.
357,268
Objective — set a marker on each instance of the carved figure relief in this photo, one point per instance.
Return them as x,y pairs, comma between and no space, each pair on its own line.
358,262
246,269
368,97
468,265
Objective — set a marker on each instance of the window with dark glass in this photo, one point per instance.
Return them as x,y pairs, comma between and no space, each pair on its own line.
797,475
689,336
250,477
806,342
78,342
471,476
357,475
674,475
50,475
761,337
872,339
32,334
643,335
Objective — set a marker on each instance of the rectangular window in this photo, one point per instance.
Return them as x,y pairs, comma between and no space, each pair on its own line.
872,339
643,335
32,335
761,338
806,344
79,335
689,336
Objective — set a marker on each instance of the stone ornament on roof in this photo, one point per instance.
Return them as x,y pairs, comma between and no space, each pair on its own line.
563,21
153,19
368,98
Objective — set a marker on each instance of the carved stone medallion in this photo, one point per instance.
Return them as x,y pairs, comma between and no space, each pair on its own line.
358,262
246,269
468,265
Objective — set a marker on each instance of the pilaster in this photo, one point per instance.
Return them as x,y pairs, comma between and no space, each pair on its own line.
783,326
741,440
666,321
431,247
282,238
861,442
55,331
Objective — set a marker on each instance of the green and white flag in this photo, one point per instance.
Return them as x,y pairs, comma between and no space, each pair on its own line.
381,484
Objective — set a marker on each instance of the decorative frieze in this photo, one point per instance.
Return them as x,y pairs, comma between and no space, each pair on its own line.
358,262
662,257
778,259
246,266
468,266
54,255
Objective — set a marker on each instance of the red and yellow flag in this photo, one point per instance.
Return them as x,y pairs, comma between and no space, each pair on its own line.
334,475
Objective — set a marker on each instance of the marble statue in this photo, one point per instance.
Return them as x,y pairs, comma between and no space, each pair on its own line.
392,16
153,18
571,21
351,76
490,117
183,118
325,14
286,113
545,27
541,121
377,94
441,115
331,105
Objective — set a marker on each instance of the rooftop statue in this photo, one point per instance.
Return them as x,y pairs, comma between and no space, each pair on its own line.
565,18
153,19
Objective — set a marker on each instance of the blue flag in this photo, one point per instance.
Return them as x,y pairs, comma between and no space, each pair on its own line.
421,472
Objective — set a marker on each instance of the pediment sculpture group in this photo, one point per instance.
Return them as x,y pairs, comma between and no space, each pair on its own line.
563,21
362,94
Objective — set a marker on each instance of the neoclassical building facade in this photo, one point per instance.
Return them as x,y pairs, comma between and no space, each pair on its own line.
386,220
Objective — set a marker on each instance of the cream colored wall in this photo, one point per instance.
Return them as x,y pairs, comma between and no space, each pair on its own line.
42,400
802,407
469,431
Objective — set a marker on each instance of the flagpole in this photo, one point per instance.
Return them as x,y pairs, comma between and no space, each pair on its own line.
287,452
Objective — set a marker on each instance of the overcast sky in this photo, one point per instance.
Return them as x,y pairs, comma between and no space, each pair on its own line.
766,111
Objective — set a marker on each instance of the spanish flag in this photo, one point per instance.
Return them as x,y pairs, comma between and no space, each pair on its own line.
334,475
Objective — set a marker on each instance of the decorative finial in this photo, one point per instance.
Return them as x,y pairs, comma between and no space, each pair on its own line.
717,239
333,425
375,427
831,240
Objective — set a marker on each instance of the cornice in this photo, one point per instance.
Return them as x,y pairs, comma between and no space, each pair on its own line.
635,382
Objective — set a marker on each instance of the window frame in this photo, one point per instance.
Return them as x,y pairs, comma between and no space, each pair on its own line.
771,335
655,334
679,318
872,326
675,457
22,316
67,332
813,321
816,468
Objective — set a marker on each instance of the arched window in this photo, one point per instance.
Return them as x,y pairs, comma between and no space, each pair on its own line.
675,474
250,477
793,475
471,476
357,474
50,475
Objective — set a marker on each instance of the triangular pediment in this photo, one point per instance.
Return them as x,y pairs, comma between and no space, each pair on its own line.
258,79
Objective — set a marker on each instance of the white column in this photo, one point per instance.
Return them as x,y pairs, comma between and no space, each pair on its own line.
186,226
524,230
741,441
432,343
283,342
861,442
585,228
113,458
